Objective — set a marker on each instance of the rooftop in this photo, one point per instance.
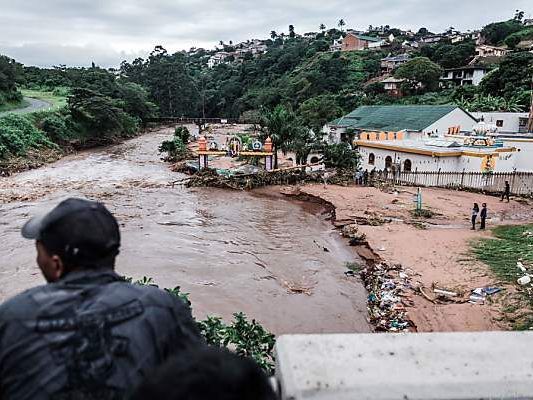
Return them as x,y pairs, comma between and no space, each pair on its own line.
394,118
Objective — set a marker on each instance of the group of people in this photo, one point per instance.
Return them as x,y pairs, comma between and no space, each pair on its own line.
482,213
89,334
361,177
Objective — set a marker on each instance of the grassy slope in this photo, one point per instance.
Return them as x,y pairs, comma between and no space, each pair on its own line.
511,244
56,101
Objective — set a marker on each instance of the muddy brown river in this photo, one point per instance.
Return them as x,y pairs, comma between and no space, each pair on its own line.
232,251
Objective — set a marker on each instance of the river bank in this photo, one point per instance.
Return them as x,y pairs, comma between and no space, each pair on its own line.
434,252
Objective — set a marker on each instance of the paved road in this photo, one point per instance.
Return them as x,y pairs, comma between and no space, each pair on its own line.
35,105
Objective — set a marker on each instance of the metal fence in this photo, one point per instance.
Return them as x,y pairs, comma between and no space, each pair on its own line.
521,182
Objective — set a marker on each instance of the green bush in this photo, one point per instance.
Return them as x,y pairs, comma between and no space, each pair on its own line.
18,135
246,338
55,127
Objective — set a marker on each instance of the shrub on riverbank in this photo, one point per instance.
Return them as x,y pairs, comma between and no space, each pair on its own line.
18,135
244,337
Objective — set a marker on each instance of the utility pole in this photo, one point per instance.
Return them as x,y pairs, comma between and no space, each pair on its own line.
530,120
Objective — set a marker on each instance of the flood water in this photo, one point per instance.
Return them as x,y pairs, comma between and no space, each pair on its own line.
232,251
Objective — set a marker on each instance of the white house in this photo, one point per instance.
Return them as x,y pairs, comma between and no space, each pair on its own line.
505,122
469,75
484,50
434,155
217,58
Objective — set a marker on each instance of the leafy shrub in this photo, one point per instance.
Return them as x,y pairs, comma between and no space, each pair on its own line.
55,127
246,338
18,135
176,148
183,133
340,156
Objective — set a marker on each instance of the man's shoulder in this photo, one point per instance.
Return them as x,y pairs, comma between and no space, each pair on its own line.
23,302
150,296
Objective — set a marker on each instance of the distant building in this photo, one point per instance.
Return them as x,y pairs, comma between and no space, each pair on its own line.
484,50
528,22
415,121
433,155
389,64
469,75
504,122
217,59
392,86
354,42
432,39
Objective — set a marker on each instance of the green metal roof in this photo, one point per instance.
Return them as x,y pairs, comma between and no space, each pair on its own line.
393,118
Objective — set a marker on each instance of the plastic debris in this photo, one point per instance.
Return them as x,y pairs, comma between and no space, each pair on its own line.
524,280
479,295
387,300
446,293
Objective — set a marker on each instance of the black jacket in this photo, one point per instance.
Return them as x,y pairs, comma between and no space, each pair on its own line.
89,336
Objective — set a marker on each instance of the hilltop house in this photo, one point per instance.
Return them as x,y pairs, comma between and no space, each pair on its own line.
384,122
389,64
217,59
354,42
469,75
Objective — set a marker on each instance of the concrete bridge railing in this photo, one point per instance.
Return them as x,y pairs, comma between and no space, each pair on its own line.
484,365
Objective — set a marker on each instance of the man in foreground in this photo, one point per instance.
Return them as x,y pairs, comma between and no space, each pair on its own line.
87,334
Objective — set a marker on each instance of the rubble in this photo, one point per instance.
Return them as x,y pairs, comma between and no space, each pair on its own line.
387,299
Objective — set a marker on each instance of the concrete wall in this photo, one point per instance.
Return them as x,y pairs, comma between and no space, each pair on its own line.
481,365
454,118
510,121
524,157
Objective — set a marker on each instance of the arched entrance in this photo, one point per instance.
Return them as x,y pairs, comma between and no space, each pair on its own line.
407,166
388,162
371,159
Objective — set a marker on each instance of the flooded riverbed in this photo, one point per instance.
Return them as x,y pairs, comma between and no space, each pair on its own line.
272,258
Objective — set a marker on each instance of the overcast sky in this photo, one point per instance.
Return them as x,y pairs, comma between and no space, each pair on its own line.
77,32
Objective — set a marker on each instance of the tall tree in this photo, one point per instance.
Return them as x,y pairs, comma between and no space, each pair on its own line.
322,27
291,31
420,72
273,34
341,24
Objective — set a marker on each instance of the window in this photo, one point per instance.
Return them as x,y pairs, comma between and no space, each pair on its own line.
407,165
371,159
499,123
314,160
388,162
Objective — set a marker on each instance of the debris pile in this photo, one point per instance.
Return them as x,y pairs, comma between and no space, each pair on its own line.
387,299
351,232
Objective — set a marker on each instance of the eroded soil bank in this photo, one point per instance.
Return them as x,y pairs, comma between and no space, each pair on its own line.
434,251
277,261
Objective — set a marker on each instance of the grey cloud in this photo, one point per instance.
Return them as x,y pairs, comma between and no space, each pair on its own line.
79,31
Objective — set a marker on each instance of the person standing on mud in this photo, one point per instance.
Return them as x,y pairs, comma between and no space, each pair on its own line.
483,216
475,212
365,177
506,192
87,334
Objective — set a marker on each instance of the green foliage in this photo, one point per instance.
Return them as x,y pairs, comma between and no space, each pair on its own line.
100,115
340,156
496,33
18,135
55,127
420,71
487,103
10,76
176,148
513,74
244,337
317,111
450,55
511,244
514,39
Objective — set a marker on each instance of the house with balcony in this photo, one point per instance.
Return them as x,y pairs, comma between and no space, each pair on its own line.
389,64
469,75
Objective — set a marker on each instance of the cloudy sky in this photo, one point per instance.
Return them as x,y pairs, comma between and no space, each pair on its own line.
77,32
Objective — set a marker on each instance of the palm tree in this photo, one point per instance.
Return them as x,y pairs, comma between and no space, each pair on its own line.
341,23
291,31
221,43
322,27
273,35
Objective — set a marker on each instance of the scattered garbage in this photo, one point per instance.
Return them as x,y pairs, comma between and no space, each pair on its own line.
520,266
388,298
446,293
528,234
524,280
479,295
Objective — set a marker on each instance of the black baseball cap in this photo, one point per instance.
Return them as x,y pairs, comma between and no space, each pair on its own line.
81,232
